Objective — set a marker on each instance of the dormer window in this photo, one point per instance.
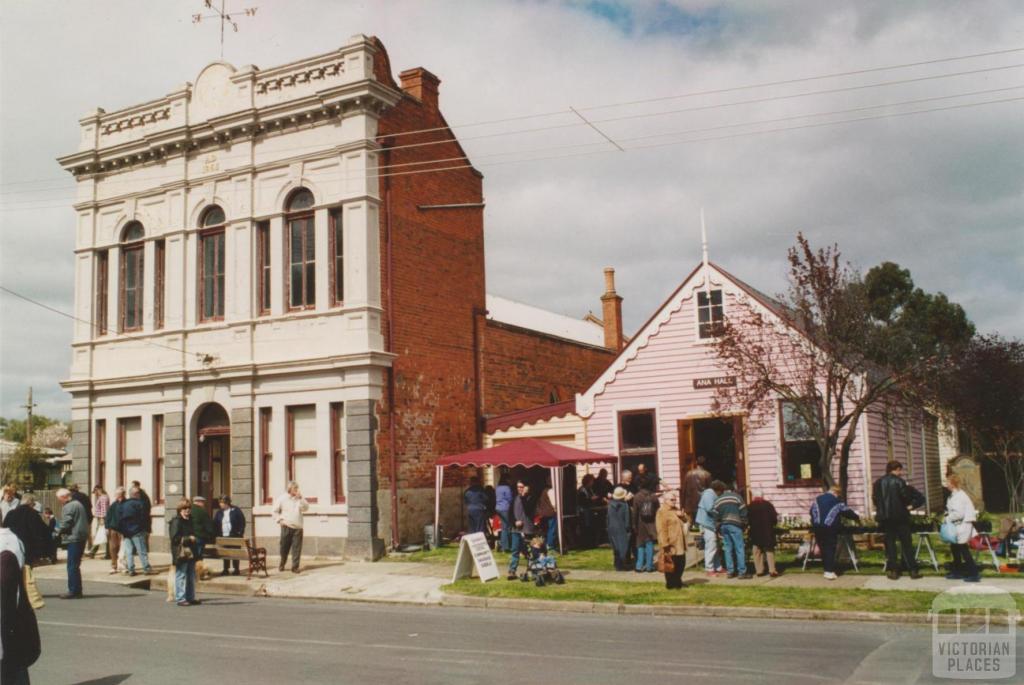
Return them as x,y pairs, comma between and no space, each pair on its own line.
710,315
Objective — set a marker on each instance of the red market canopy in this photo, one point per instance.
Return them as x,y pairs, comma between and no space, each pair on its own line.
525,452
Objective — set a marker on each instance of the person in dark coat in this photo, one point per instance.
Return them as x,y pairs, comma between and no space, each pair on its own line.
147,507
475,500
586,502
893,500
762,519
202,525
183,555
51,525
522,525
132,525
619,526
27,523
695,483
19,633
603,487
827,514
229,522
645,513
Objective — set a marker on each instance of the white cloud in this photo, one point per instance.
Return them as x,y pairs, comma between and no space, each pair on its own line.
939,193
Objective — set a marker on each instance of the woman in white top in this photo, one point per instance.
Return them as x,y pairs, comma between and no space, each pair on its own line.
960,511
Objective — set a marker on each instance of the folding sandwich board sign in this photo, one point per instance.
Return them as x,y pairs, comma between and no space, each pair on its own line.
474,551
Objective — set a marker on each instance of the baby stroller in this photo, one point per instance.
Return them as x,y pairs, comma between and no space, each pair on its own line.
541,566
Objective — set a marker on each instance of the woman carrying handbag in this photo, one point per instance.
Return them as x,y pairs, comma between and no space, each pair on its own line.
957,530
183,554
671,540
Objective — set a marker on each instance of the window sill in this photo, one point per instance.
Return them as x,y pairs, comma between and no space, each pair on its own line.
813,483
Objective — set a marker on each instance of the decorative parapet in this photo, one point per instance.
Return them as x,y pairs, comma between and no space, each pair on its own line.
319,73
136,120
227,104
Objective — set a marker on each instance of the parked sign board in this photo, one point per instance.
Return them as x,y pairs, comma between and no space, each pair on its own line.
475,552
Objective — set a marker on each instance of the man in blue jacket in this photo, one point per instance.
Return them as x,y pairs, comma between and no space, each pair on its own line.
132,525
229,522
707,524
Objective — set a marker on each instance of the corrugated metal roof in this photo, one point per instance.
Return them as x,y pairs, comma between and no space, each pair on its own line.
523,315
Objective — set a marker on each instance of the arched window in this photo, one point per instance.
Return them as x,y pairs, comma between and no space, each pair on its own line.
211,265
299,200
131,277
301,244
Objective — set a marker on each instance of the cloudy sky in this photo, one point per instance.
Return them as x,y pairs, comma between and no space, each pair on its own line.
939,192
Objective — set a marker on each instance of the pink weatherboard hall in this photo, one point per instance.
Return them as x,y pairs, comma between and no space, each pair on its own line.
654,405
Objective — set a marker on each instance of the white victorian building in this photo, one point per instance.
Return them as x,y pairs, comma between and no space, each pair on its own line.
228,293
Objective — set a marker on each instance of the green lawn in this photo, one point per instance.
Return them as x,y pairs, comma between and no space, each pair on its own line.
618,592
600,559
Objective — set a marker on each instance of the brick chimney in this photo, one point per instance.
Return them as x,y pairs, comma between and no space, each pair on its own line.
611,306
421,84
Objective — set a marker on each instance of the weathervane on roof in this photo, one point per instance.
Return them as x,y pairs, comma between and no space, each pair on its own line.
224,17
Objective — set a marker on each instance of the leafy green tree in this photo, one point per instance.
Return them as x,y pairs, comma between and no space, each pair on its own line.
15,430
21,465
834,345
982,392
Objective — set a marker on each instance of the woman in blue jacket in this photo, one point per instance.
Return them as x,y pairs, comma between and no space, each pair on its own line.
503,497
827,514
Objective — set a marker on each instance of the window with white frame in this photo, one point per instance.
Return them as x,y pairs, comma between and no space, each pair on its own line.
710,314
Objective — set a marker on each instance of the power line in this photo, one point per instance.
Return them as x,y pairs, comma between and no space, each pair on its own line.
660,135
719,91
584,121
716,91
794,117
91,324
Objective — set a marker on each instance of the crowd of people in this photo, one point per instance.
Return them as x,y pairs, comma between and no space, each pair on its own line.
646,525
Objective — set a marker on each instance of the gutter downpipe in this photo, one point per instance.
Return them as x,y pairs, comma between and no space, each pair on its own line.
392,457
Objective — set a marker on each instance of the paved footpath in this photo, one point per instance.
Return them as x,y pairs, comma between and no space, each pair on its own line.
421,583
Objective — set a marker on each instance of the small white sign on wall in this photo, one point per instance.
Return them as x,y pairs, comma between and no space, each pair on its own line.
475,552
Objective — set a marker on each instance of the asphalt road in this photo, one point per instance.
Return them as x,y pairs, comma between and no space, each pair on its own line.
117,635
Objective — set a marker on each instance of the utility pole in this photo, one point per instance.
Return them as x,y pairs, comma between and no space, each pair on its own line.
29,405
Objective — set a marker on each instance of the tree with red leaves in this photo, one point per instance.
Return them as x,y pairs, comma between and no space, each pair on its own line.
835,345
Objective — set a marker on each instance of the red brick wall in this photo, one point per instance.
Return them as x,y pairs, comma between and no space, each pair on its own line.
521,368
432,278
435,273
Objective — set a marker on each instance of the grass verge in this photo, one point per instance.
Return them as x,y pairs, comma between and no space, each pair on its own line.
829,599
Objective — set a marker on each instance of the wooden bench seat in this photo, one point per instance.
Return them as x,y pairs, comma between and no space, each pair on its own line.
240,549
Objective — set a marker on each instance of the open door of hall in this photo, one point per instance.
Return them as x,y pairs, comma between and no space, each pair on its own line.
720,441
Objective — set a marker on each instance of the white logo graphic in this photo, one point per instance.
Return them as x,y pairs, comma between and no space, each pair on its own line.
974,634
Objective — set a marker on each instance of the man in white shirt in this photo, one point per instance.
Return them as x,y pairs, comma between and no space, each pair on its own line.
288,510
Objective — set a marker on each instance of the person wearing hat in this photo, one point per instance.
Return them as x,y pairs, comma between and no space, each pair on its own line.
202,526
619,527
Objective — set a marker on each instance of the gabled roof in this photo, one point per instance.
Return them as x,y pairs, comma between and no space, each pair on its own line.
585,400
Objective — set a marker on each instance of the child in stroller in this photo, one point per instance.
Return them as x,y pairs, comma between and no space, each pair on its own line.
541,566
